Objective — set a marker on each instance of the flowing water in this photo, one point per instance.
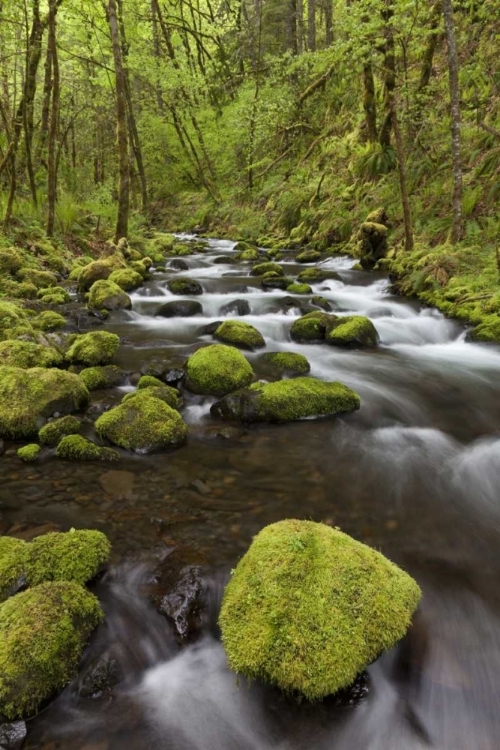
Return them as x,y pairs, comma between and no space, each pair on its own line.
414,473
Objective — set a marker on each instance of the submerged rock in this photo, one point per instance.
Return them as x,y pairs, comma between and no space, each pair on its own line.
182,308
217,369
178,265
286,401
93,348
184,286
101,677
308,608
239,334
42,633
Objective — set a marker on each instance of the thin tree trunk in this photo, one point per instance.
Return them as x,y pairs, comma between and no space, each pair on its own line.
121,126
370,103
291,27
403,182
389,75
44,124
54,120
457,226
328,23
311,25
430,50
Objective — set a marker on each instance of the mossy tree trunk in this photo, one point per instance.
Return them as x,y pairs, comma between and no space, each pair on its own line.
370,103
311,25
389,74
453,68
54,120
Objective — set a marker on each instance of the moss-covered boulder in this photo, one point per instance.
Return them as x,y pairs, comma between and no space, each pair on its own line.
288,363
99,270
142,267
126,278
106,295
72,556
299,289
371,243
287,401
352,332
78,448
143,424
53,432
165,393
29,453
43,632
93,348
29,397
308,608
264,268
276,282
315,275
41,279
308,256
487,331
56,295
249,254
184,286
107,376
217,369
312,327
49,321
10,261
237,333
322,303
26,354
12,566
13,321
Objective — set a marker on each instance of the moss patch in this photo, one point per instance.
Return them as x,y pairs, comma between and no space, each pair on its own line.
299,289
29,453
165,393
55,430
312,327
126,278
353,332
78,448
98,270
237,333
308,608
217,370
107,376
26,354
264,268
49,321
487,331
12,565
73,556
313,275
106,295
308,256
55,296
13,321
41,279
94,348
288,362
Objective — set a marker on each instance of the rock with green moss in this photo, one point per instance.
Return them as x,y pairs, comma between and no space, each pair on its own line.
29,397
49,321
184,286
106,295
149,381
249,254
308,256
21,289
217,369
487,331
29,453
352,332
283,282
237,333
126,278
314,275
75,273
143,424
321,302
12,566
308,608
93,348
41,279
165,393
13,321
264,268
78,448
141,267
75,556
99,270
287,401
43,632
53,432
108,376
10,261
312,327
288,363
371,243
162,243
299,289
54,296
26,354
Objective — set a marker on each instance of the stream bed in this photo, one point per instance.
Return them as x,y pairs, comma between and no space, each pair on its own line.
415,473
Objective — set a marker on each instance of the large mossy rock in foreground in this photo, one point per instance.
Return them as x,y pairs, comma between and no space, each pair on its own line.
29,397
42,635
218,369
286,401
308,608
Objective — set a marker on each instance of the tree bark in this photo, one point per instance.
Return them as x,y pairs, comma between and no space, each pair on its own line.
370,103
453,68
389,74
403,182
121,126
311,25
328,23
54,120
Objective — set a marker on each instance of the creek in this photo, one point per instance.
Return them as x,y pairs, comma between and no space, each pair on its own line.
415,473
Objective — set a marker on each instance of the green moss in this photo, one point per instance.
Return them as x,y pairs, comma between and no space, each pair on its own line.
313,275
237,333
126,278
106,295
286,401
26,354
487,331
250,254
353,331
99,270
321,302
29,397
184,286
141,267
42,635
12,565
54,431
308,608
143,424
49,321
312,327
217,370
41,279
55,296
13,318
372,243
165,393
96,378
282,282
148,381
299,289
29,453
78,448
264,268
75,556
288,362
163,243
10,261
308,256
93,348
75,273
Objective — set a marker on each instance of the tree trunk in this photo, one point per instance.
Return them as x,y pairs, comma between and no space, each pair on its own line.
121,126
291,30
54,119
311,25
457,226
370,103
403,182
328,23
44,124
389,74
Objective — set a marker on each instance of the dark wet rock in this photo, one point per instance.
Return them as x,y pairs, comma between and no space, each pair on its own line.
173,377
79,319
178,264
276,283
222,259
236,307
322,303
211,328
182,308
2,447
225,432
180,591
101,677
184,286
12,735
284,304
159,368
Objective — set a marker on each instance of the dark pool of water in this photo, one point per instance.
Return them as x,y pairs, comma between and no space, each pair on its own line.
414,473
